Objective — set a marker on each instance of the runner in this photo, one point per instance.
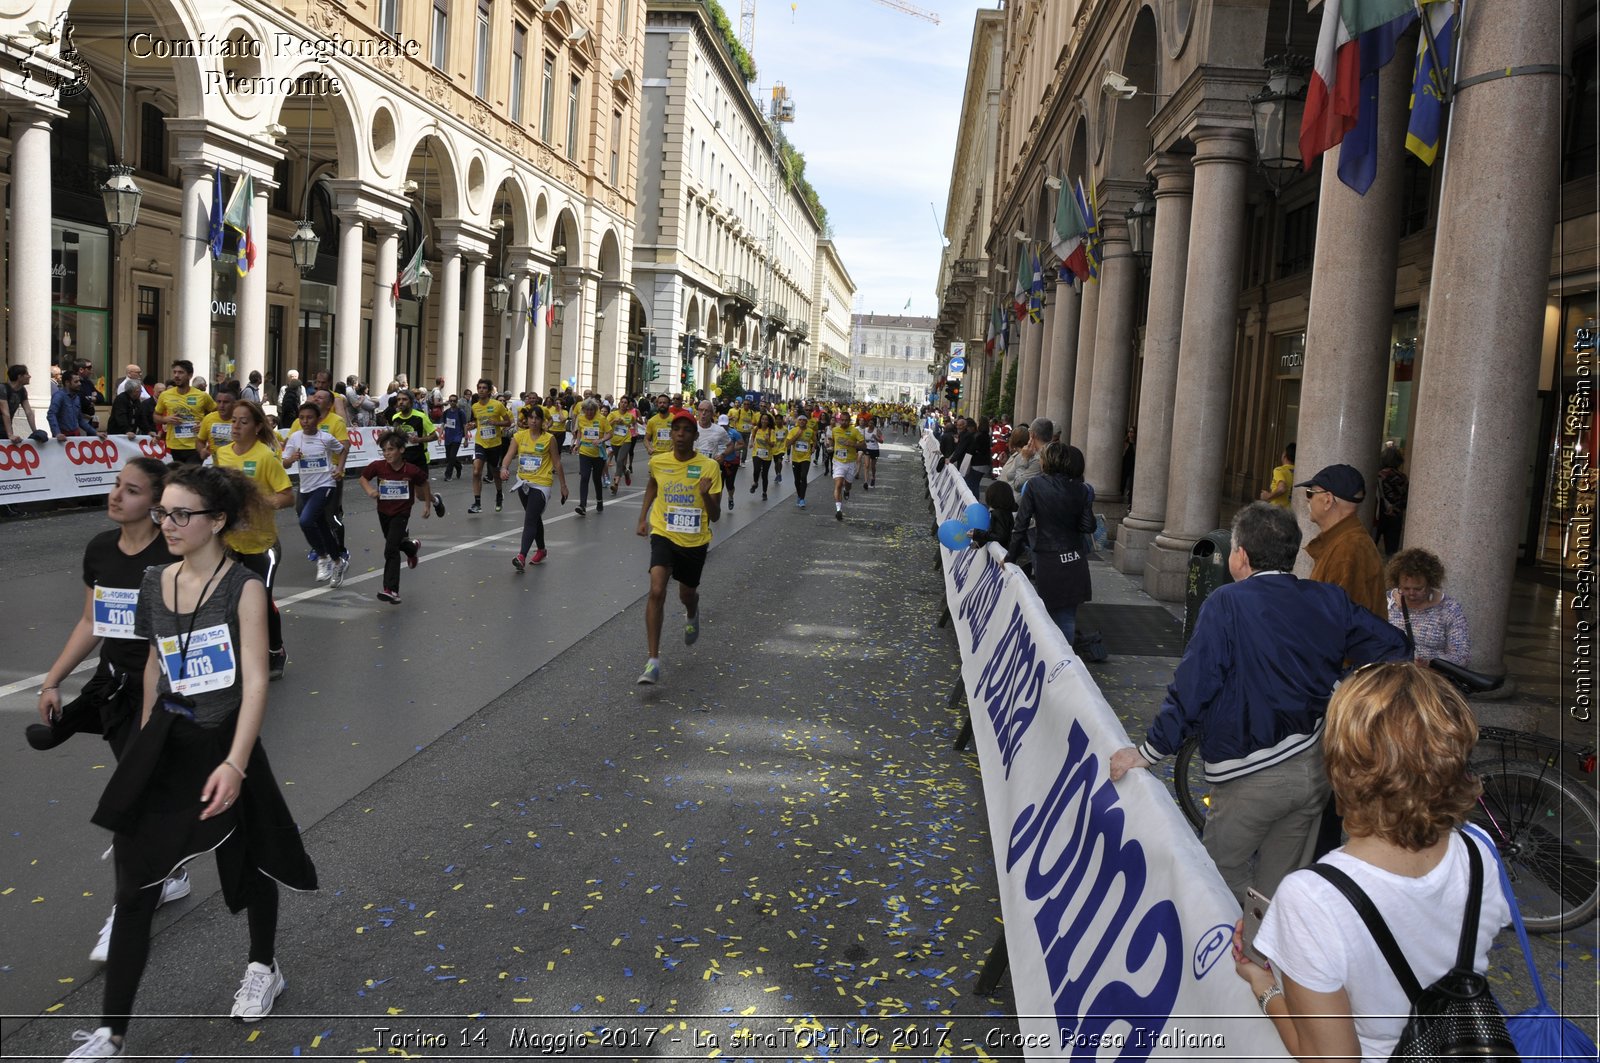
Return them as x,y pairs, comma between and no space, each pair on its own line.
316,452
624,434
846,439
420,431
763,444
555,421
335,425
534,455
216,427
395,484
179,410
780,444
491,419
873,435
802,443
732,458
256,541
454,419
681,502
589,434
658,430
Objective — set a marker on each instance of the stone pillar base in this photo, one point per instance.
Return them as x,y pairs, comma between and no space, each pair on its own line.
1166,568
1134,539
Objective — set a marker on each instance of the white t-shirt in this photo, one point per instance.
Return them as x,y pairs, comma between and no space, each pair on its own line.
712,441
1313,935
317,454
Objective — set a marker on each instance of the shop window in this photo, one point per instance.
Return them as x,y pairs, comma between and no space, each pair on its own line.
1403,345
1297,240
1581,144
152,139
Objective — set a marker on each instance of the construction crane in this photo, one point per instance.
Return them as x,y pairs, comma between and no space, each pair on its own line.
747,18
915,12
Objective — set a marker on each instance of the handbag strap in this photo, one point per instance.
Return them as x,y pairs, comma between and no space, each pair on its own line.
1405,612
1516,913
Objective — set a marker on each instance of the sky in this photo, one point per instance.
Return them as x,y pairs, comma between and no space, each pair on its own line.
877,99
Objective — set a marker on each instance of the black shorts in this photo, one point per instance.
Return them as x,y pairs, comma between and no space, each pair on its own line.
492,455
685,563
185,457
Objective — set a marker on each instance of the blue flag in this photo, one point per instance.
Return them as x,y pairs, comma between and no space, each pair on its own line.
1434,74
1358,152
217,213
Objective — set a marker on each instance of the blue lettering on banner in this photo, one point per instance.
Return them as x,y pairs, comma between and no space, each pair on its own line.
962,565
978,607
1092,841
1010,685
1212,946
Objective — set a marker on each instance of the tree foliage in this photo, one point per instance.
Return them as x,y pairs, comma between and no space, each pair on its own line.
1008,394
729,385
991,393
741,58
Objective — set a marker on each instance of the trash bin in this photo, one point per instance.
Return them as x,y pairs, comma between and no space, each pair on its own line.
1208,570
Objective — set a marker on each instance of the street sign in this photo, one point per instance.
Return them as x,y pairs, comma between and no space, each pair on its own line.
958,366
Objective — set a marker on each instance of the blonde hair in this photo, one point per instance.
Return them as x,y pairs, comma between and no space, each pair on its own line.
1397,746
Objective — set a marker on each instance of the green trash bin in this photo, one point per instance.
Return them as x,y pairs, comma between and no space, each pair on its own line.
1208,570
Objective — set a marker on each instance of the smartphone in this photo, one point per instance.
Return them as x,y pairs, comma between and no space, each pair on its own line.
1255,910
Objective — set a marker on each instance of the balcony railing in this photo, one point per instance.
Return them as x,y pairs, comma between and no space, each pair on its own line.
777,316
739,290
800,330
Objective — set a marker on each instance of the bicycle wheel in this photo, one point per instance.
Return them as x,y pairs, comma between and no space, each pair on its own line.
1190,786
1547,835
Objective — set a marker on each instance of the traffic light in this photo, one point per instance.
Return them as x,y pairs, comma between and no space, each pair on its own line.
683,375
652,370
952,391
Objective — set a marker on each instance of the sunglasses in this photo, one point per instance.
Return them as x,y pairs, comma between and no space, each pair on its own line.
1313,494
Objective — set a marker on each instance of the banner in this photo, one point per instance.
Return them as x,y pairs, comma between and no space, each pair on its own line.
1118,926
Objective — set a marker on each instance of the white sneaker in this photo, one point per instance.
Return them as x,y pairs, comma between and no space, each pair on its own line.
336,577
175,888
258,989
324,569
96,1045
102,948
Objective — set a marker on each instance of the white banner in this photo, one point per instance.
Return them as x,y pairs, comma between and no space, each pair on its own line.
1118,926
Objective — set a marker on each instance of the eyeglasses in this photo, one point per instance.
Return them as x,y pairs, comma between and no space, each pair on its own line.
1313,494
180,517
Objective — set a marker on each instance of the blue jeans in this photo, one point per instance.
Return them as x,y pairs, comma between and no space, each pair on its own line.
1067,621
314,522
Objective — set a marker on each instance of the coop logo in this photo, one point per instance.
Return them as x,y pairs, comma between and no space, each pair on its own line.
16,457
153,447
357,440
93,452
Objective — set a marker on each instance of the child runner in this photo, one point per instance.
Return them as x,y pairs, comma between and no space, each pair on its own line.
396,484
681,502
537,461
316,451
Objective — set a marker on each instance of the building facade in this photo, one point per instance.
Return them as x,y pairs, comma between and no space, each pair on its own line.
825,374
498,136
890,358
725,254
1270,304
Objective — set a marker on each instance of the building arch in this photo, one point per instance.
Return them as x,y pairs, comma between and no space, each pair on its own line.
433,163
1129,120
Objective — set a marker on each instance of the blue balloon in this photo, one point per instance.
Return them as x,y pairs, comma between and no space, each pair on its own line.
978,516
953,534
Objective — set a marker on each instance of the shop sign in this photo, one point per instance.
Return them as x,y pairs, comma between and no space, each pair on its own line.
224,308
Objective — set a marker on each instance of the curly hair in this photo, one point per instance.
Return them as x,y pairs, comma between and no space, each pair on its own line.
1415,561
230,492
1397,746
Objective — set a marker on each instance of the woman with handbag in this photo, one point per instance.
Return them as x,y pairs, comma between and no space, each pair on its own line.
1056,505
1396,745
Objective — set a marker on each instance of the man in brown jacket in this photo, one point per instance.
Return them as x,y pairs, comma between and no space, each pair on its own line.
1343,553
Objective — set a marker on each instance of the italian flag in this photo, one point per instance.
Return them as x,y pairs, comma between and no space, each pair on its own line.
1333,101
408,276
238,218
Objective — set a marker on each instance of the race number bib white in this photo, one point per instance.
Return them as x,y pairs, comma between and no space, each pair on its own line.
802,448
591,434
113,612
530,463
186,429
314,464
221,433
684,520
663,435
488,431
394,490
763,453
209,664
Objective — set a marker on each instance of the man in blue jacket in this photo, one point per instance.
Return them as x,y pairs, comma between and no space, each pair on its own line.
1254,683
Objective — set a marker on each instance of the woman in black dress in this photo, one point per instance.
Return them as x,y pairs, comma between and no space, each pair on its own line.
1056,504
195,779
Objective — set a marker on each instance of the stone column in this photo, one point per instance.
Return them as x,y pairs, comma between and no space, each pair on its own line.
449,311
347,319
1056,393
521,327
1158,388
29,264
541,344
1113,367
1480,356
611,335
1077,431
383,307
194,264
1222,161
1350,320
472,339
251,337
1027,394
572,328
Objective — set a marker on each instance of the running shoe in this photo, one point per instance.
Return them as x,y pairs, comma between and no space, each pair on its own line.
97,1044
257,990
651,674
730,499
763,496
627,477
538,557
311,555
614,484
276,660
605,481
753,488
174,889
438,506
838,514
599,505
476,507
411,555
581,511
800,503
866,487
691,631
102,948
387,595
324,569
340,567
519,562
498,502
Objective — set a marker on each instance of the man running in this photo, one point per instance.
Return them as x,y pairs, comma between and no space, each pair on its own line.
681,502
419,430
491,420
216,427
658,430
847,440
336,426
179,410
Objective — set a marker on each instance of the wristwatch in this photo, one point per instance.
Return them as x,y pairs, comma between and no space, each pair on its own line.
1266,998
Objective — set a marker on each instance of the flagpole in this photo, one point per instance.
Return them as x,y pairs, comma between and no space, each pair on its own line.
1450,122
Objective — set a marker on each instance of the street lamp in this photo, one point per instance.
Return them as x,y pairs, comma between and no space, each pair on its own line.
303,246
119,194
1278,109
424,281
499,296
1141,225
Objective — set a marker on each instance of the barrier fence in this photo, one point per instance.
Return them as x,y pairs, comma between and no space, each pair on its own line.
1118,927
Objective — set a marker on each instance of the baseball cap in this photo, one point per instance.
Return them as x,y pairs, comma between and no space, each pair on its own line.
1340,481
679,414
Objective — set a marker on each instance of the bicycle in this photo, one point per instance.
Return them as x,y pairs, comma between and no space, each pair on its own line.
1541,817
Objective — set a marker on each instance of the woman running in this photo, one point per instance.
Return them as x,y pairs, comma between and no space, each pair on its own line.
395,484
588,440
256,541
780,444
623,436
869,468
317,451
762,444
536,456
802,442
195,778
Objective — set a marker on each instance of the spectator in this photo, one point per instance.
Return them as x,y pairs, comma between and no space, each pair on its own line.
1393,487
1397,747
292,395
252,389
14,401
979,446
66,411
1432,619
1129,455
1056,500
1342,552
1002,504
1025,463
125,408
1281,493
1254,684
147,409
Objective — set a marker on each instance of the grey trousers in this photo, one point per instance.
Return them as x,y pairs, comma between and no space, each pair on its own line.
1271,814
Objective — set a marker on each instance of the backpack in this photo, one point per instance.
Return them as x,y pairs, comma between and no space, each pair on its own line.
294,397
1456,1015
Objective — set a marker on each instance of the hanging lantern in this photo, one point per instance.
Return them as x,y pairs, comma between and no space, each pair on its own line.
303,246
121,197
424,281
499,296
1278,109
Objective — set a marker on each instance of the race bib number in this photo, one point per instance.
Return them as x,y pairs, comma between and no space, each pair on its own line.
314,464
209,664
113,612
684,520
488,431
763,453
185,430
394,490
802,448
663,435
222,433
530,463
591,435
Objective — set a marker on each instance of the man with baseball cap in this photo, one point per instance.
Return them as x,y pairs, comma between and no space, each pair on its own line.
1343,553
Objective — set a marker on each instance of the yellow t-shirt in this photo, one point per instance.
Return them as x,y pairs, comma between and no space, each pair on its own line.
679,512
261,465
621,423
492,419
334,425
658,430
190,409
535,463
591,433
215,431
846,441
762,445
780,441
555,418
1283,476
801,443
